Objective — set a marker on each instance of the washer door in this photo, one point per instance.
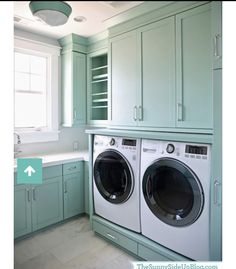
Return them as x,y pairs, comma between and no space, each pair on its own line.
113,177
173,192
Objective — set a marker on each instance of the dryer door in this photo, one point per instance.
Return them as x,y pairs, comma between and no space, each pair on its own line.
113,177
173,192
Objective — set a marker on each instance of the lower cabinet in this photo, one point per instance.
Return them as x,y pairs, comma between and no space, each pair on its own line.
22,210
116,237
136,244
61,195
73,186
86,187
37,206
150,255
47,203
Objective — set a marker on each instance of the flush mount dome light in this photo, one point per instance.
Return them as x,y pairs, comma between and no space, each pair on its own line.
53,13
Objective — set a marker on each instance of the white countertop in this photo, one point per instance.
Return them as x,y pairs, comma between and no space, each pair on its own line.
58,158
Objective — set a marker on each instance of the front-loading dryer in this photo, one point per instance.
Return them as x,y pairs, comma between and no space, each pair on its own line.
116,180
175,196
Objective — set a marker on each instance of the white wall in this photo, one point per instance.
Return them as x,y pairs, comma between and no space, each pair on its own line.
67,136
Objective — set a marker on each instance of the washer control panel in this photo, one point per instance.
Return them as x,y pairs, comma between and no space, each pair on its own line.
115,142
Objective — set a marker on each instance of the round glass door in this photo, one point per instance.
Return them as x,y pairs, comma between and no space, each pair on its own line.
113,177
173,192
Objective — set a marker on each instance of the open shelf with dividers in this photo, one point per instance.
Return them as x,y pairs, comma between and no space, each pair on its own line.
99,94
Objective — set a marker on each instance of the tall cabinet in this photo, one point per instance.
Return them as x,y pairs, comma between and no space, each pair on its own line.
73,74
193,68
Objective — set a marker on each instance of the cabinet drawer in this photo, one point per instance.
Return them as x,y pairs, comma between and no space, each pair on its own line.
48,172
150,255
71,168
115,237
52,171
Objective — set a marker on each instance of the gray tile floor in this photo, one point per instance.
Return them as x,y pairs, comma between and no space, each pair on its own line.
70,245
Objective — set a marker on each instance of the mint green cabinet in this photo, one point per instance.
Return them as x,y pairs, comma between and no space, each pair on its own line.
161,74
143,76
194,68
47,203
158,74
37,206
73,188
73,88
216,22
86,187
22,210
216,183
125,84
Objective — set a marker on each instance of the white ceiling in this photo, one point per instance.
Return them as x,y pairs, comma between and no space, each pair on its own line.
95,12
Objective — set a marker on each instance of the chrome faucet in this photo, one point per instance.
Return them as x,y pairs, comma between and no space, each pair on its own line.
16,151
18,138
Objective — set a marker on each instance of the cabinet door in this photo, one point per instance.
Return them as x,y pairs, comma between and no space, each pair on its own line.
158,74
73,89
125,79
86,187
22,210
194,65
216,183
217,33
73,194
79,88
47,203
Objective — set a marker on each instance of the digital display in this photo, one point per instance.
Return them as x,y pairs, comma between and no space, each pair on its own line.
129,142
201,150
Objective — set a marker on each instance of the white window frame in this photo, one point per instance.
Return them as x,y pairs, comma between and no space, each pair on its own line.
34,135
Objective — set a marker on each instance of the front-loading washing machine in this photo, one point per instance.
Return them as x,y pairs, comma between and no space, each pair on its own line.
175,196
116,180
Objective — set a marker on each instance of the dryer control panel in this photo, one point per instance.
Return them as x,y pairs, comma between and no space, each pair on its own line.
175,149
199,150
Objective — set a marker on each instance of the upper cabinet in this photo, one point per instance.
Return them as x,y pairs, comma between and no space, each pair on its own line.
125,84
158,74
217,33
73,72
194,68
161,74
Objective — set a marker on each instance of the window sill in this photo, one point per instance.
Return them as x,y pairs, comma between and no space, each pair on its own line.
28,137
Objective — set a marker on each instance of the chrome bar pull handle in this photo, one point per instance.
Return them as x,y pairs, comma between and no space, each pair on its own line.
65,187
34,194
140,113
135,113
180,112
28,195
216,45
75,114
111,236
216,191
72,167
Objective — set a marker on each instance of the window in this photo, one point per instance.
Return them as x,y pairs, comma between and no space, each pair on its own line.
30,91
36,90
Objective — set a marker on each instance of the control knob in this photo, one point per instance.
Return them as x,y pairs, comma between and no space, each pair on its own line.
170,148
112,142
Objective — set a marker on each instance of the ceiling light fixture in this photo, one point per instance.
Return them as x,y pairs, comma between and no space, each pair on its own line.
53,13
